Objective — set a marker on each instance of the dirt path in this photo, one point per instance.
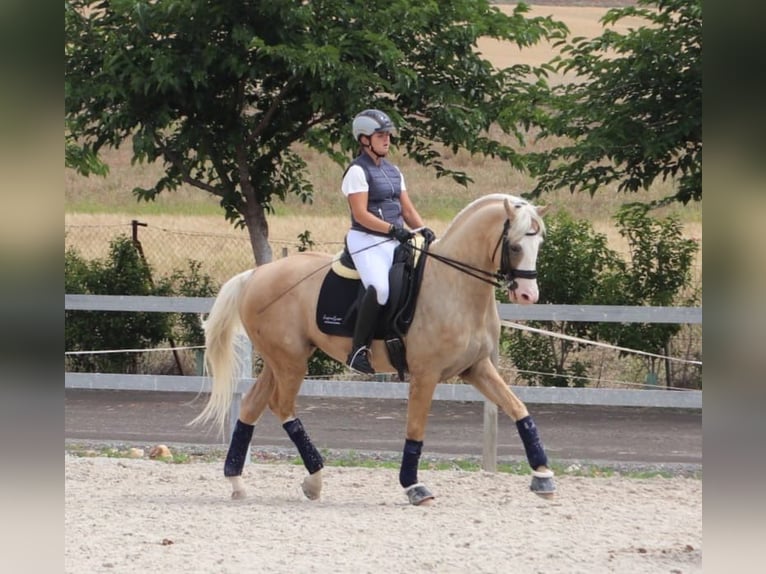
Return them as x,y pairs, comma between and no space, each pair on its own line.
136,516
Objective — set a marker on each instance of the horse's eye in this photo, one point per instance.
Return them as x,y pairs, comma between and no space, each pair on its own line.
516,248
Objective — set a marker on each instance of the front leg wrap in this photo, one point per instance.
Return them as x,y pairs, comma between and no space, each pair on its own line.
533,446
416,493
408,472
312,460
542,480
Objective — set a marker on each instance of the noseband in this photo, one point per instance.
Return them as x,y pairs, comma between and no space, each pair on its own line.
507,273
505,276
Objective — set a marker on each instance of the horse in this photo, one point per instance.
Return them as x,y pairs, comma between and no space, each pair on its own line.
455,332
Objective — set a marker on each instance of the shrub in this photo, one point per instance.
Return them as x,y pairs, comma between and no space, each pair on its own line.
190,283
577,268
125,272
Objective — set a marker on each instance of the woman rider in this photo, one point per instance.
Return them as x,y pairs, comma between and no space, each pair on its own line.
380,206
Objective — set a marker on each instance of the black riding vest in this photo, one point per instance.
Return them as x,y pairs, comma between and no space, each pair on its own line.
385,187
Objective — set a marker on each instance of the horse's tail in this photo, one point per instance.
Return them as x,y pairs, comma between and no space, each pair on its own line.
221,361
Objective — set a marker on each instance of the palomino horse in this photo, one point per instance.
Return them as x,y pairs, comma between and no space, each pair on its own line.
454,332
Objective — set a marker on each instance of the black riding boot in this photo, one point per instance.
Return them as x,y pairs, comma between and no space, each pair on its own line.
366,320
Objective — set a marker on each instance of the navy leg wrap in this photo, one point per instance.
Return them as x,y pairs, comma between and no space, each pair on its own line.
408,473
312,460
532,443
240,441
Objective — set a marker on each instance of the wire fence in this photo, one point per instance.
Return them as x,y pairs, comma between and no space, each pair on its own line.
222,255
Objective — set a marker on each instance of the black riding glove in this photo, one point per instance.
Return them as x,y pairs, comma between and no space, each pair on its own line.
428,234
400,233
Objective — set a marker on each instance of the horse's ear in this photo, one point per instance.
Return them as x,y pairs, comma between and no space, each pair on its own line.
542,209
509,209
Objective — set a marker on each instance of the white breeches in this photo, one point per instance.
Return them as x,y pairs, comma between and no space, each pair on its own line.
373,256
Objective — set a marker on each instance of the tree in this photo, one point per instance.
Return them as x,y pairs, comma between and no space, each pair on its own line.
221,92
634,112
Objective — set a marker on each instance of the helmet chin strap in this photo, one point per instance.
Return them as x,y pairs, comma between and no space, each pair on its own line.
372,149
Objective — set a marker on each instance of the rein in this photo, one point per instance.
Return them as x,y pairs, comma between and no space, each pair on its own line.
506,273
474,272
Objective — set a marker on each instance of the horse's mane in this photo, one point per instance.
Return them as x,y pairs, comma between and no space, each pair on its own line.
526,214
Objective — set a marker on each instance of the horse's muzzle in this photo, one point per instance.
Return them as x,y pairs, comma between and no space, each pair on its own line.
523,291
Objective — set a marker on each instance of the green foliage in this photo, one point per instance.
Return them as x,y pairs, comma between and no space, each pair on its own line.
659,273
323,365
83,160
306,243
634,114
187,327
219,92
577,268
124,272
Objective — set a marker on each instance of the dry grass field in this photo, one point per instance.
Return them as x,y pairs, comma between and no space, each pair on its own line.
108,201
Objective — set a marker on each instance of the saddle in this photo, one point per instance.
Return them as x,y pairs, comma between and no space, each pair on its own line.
342,291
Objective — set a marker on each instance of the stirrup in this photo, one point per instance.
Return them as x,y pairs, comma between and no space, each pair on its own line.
359,361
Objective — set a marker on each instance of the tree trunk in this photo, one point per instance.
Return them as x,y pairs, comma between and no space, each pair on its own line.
258,229
253,212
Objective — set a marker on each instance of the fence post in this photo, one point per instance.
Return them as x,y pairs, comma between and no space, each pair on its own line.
489,444
245,362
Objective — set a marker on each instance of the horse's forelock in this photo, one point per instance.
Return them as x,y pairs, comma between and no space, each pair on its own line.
526,219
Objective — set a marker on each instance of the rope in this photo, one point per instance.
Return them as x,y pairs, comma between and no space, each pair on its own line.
599,380
502,322
131,350
595,343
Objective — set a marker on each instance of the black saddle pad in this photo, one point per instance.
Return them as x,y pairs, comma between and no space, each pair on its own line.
339,297
336,309
335,300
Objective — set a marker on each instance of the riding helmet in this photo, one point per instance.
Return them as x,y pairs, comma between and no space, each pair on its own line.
370,121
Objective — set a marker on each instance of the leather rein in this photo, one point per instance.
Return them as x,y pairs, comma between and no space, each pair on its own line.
506,275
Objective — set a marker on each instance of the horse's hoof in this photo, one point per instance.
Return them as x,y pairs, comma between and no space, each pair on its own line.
419,495
237,488
543,485
312,486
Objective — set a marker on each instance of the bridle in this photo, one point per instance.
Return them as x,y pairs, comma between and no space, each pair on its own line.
507,272
505,276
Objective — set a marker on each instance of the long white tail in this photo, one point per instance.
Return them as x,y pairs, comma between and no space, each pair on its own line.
221,362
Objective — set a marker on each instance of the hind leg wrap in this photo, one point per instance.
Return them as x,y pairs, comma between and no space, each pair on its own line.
312,460
408,473
240,441
533,446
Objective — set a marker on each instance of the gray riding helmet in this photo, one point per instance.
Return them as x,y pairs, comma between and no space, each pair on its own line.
370,121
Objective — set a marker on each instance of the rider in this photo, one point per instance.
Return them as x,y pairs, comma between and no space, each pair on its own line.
379,206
